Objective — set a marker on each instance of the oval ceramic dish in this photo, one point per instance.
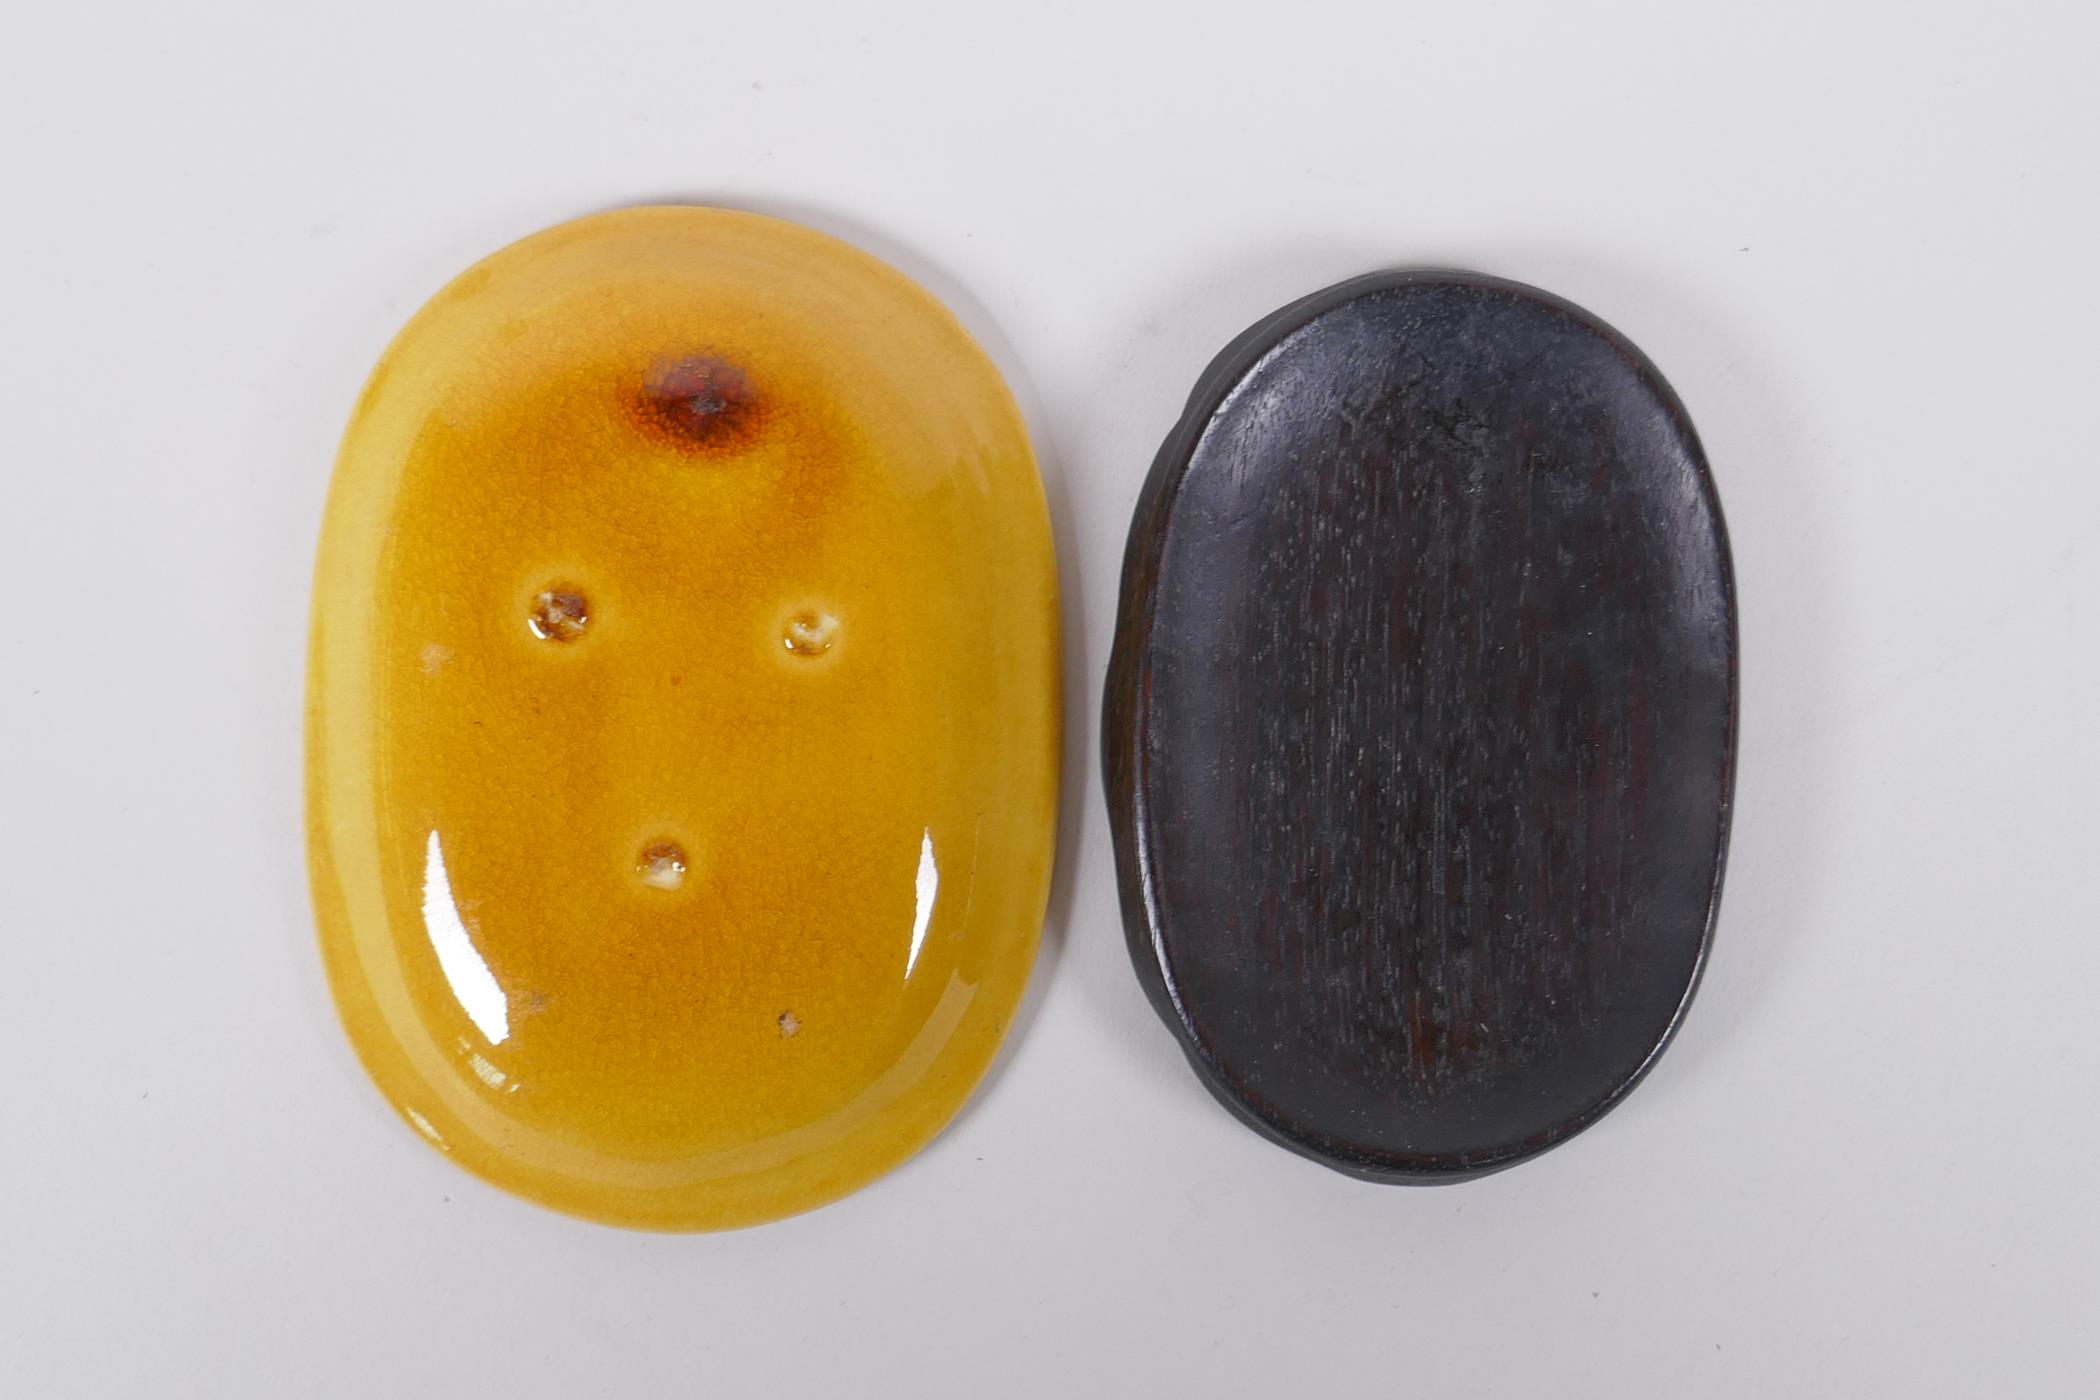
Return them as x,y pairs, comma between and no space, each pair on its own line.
682,744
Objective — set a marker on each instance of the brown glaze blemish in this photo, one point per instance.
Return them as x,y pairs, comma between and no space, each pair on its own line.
698,402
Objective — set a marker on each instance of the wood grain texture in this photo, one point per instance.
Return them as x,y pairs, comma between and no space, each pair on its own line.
1419,730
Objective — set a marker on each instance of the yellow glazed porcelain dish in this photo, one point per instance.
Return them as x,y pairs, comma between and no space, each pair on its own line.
682,719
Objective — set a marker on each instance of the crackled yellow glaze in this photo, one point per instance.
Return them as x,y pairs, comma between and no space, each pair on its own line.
682,717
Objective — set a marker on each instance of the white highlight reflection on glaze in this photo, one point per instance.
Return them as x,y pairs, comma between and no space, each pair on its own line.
926,886
473,985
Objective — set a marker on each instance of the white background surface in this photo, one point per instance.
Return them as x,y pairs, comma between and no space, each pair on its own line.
1860,240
